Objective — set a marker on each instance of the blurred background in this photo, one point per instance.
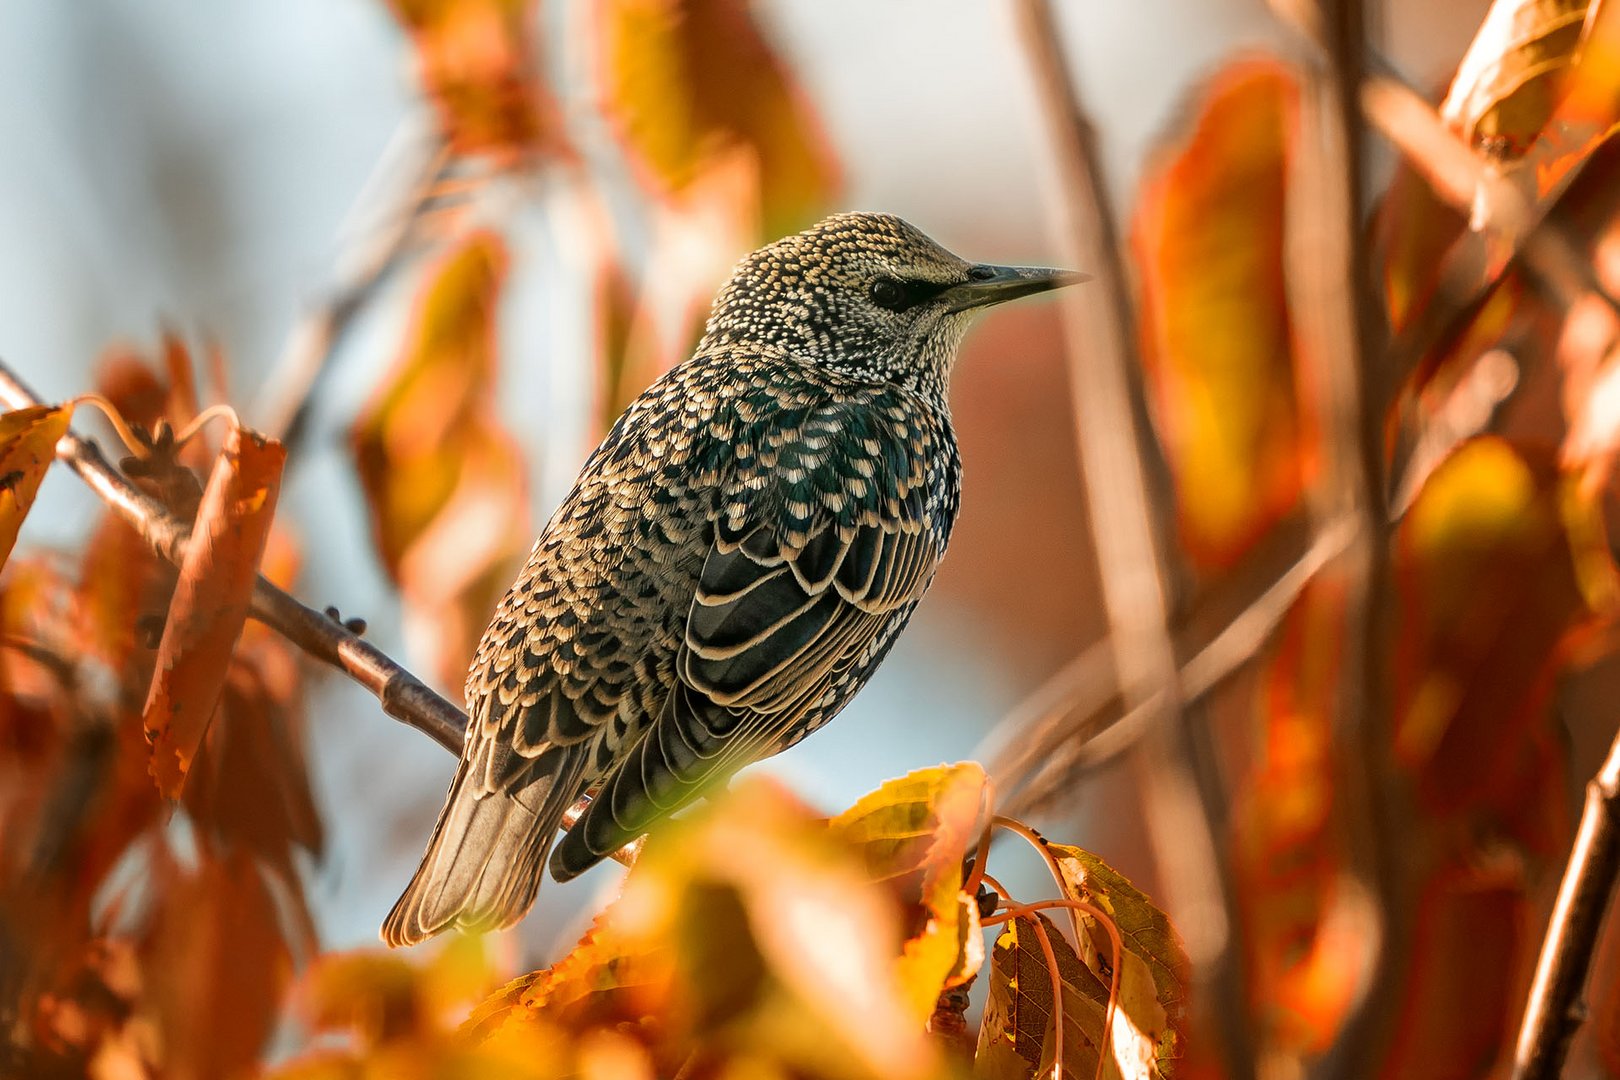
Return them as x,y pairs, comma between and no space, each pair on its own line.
308,197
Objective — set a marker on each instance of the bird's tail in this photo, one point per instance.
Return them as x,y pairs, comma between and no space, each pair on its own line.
482,867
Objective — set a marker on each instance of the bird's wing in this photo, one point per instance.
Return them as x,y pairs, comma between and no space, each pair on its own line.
804,577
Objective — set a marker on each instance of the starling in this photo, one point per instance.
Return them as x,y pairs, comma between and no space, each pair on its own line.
733,563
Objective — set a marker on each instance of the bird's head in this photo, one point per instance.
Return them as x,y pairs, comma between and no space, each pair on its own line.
865,293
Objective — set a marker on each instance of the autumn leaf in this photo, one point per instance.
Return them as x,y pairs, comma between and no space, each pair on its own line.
688,82
211,601
1303,956
444,482
1154,970
478,64
250,784
28,440
213,948
1461,995
1217,338
1514,73
401,1016
914,833
1016,1035
746,932
746,891
1488,598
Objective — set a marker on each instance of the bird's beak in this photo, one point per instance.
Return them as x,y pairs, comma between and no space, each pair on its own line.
988,285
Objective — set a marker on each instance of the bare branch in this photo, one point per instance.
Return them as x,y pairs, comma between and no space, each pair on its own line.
1129,526
1555,1009
1039,749
413,164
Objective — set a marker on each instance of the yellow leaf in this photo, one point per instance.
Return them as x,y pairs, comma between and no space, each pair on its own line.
443,480
689,82
914,833
1153,972
28,440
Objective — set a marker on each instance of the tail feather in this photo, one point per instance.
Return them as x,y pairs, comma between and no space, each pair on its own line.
482,867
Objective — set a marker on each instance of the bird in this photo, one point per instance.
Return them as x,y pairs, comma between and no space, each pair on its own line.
734,561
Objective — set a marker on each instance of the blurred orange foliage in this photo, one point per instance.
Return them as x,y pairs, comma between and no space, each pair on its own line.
1216,333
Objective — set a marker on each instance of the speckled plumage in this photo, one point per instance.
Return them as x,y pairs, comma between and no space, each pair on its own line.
733,563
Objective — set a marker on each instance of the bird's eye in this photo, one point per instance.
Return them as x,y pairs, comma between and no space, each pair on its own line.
889,293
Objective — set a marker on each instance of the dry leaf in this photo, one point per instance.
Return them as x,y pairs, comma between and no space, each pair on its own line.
1153,972
1302,956
1514,73
1016,1035
211,601
1217,339
28,440
213,950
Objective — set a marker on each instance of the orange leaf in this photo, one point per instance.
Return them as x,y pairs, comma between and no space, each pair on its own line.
1460,997
27,447
477,63
1289,856
1217,340
214,950
211,601
1489,599
689,81
250,785
444,482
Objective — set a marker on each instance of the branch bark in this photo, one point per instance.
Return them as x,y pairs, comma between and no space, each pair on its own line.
1555,1010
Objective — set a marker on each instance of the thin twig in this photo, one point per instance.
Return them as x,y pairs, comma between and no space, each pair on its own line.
1129,527
1098,741
419,154
1076,907
1555,1010
1329,279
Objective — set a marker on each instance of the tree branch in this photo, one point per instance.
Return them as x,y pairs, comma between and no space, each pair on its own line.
1329,298
403,696
1129,521
1555,1011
